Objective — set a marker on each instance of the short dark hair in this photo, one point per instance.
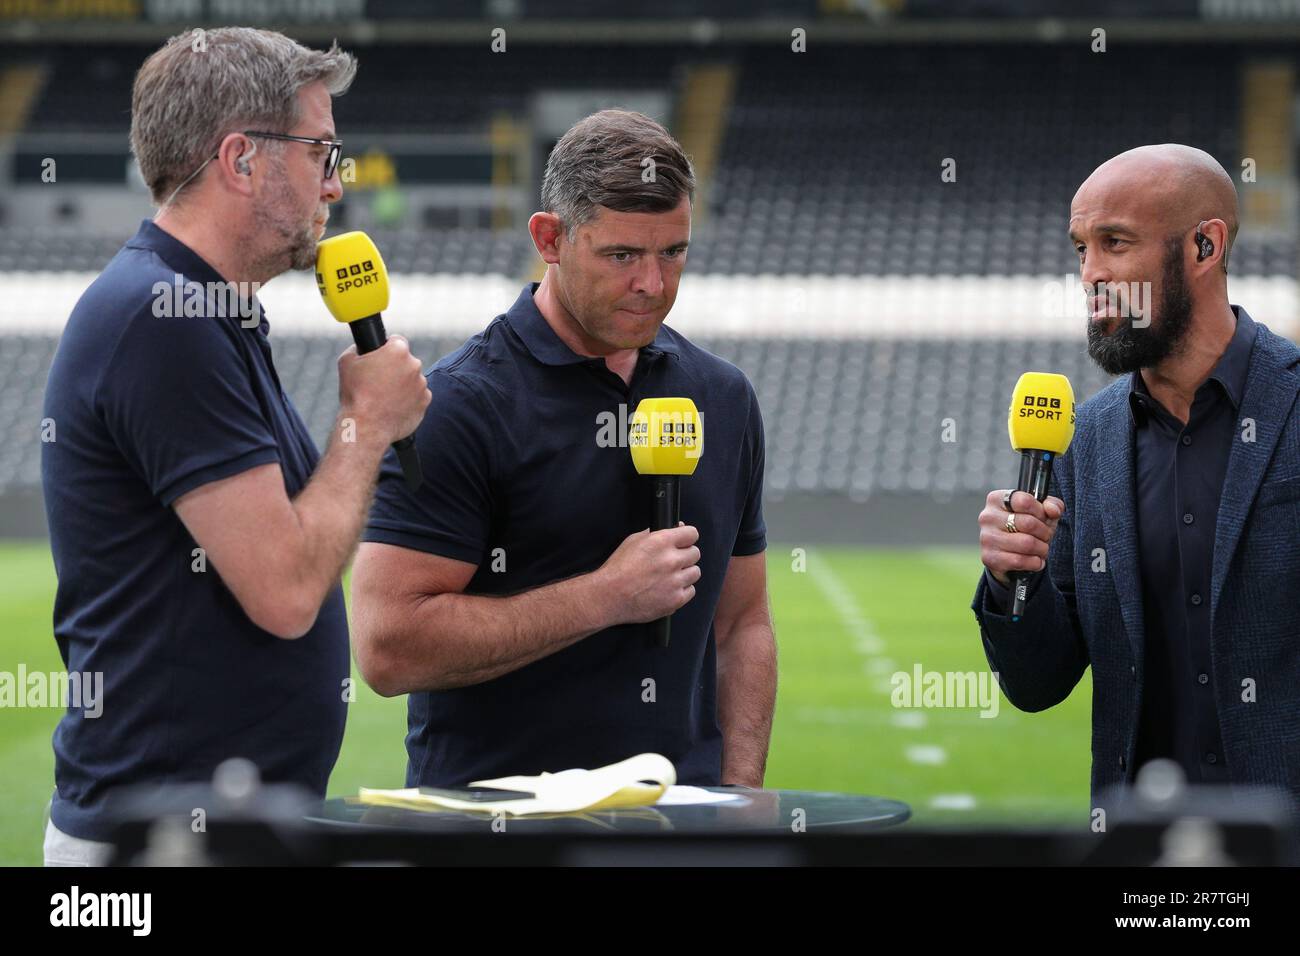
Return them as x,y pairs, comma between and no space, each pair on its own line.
619,159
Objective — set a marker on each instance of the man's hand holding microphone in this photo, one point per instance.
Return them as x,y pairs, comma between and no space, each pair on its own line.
382,389
651,574
1016,538
384,392
1017,524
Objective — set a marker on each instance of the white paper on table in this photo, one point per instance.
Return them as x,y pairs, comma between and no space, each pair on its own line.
679,796
635,782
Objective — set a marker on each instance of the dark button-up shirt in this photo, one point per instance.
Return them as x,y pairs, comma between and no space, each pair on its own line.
1180,471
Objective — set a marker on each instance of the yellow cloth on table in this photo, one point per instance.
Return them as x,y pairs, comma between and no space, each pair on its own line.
636,782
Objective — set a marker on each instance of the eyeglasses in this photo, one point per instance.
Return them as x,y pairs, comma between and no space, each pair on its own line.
331,158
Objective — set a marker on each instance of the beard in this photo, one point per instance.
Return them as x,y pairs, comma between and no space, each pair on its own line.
287,242
302,247
296,242
1128,349
302,251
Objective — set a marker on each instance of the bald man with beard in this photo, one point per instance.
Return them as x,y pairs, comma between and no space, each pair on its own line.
1166,557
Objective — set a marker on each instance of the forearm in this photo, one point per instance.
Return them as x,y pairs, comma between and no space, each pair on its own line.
452,640
1040,658
746,700
332,508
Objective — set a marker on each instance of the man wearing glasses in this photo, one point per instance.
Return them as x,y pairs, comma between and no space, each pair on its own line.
198,535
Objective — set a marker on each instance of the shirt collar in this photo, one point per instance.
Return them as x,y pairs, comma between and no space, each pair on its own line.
185,261
1230,371
541,341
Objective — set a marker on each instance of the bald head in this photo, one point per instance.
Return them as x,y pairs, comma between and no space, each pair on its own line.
1145,271
1167,188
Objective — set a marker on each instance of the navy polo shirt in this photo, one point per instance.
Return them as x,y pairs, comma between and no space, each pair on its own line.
528,476
145,408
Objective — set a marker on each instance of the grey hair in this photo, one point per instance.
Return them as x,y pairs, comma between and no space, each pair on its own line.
205,84
602,161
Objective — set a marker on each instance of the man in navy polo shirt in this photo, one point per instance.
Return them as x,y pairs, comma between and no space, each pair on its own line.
197,534
511,595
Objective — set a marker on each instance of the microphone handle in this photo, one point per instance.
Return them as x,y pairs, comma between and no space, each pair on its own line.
667,512
369,335
1035,477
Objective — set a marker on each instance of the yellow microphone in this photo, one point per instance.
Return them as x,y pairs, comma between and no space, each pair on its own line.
1040,422
352,280
666,438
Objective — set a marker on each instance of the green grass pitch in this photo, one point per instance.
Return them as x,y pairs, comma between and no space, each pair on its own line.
845,622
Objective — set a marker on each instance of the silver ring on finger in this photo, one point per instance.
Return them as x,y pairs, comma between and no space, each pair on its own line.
1006,500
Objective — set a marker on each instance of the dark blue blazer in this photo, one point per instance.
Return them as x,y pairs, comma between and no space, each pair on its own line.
1080,617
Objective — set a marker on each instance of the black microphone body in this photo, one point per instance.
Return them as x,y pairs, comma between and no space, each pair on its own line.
667,512
369,334
1035,477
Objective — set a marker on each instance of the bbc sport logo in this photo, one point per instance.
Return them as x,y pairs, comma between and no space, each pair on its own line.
615,430
351,276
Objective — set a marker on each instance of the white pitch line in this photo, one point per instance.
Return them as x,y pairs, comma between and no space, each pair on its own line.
865,639
868,643
929,754
909,719
952,801
854,716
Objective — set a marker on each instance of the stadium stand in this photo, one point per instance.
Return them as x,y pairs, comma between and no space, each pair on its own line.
867,300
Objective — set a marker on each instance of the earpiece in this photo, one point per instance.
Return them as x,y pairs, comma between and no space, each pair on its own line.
241,164
1204,246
